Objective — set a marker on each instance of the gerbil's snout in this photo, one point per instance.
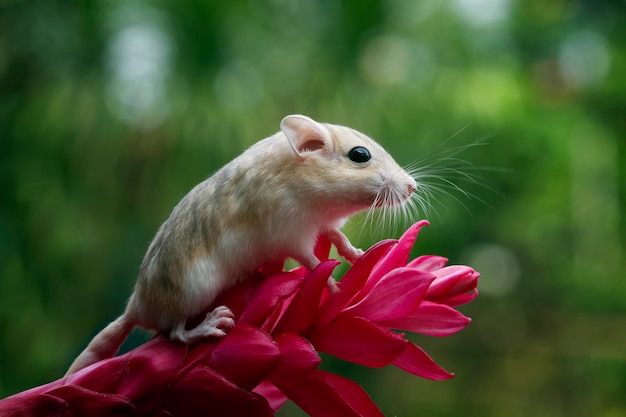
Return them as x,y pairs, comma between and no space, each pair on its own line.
410,188
395,190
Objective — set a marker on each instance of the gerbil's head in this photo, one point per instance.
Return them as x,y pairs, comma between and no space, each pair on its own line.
344,170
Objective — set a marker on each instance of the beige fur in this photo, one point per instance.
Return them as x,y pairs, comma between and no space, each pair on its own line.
270,203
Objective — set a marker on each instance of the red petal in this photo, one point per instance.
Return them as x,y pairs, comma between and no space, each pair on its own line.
428,263
126,374
417,362
83,402
198,354
148,371
31,403
101,376
396,295
396,257
267,297
304,307
460,299
357,340
273,395
68,400
451,281
322,248
329,395
203,391
272,268
245,356
297,361
276,315
431,319
352,282
236,297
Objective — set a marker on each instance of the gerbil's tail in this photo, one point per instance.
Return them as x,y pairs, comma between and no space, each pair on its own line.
104,345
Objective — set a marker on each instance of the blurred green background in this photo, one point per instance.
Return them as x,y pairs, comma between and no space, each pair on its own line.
111,111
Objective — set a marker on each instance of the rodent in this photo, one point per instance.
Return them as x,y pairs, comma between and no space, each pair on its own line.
268,204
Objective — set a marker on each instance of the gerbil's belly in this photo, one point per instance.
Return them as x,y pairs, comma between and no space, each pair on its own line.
204,281
237,254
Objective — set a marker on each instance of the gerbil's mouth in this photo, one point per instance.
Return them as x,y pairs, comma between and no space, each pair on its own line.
394,197
410,189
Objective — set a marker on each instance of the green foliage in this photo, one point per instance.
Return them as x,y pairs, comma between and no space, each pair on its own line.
111,111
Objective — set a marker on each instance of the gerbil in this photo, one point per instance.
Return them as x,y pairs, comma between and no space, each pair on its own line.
270,203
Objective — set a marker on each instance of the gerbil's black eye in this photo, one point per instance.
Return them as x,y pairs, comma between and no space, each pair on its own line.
359,154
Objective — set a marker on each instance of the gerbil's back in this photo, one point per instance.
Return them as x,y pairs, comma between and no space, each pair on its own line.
226,212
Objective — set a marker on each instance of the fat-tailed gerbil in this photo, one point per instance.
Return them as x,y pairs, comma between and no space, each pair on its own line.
270,203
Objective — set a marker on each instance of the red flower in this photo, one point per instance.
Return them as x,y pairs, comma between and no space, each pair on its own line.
284,319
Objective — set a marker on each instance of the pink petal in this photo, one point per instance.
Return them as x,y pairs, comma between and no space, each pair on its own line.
273,395
101,376
396,294
300,271
158,358
329,395
352,282
460,299
302,310
417,362
275,316
357,340
245,356
147,371
268,296
451,281
428,263
198,354
430,319
82,402
236,297
68,400
33,404
396,257
297,361
322,248
203,391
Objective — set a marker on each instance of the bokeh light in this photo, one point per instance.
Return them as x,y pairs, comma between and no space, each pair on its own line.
139,57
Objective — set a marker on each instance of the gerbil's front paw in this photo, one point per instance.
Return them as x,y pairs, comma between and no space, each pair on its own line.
343,245
353,255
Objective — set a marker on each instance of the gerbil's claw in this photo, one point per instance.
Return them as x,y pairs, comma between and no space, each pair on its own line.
220,318
216,323
332,285
221,311
354,255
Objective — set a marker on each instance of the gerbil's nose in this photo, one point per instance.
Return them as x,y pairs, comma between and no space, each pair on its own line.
411,188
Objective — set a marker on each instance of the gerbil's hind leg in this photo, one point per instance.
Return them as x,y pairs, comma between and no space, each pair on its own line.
216,323
343,245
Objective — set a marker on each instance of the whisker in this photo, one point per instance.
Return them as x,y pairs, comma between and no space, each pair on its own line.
442,175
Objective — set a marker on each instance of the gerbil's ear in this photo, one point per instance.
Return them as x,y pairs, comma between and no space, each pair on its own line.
306,136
